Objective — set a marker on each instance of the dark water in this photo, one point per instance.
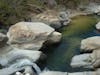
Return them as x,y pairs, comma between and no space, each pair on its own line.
59,56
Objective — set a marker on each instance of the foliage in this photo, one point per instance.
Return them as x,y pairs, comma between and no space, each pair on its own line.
12,11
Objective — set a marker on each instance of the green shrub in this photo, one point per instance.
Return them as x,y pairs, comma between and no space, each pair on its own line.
12,11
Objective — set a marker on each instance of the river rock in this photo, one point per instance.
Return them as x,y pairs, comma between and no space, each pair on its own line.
64,18
90,44
54,37
53,73
74,73
17,66
53,18
14,59
98,26
93,8
81,60
89,60
30,35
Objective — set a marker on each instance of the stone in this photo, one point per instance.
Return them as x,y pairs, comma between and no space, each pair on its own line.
14,59
49,17
64,18
97,72
52,18
90,44
98,26
53,73
81,61
16,54
93,8
29,35
88,60
18,73
55,37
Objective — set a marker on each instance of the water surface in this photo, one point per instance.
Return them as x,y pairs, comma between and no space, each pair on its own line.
59,57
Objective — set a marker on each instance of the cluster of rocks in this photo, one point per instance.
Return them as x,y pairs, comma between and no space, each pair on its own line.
53,18
91,57
19,49
91,8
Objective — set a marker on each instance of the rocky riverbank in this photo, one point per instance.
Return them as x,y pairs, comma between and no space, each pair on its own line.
20,47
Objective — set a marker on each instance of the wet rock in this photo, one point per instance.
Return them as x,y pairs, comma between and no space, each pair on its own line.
29,35
90,44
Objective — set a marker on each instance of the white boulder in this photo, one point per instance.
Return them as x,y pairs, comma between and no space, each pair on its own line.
90,44
29,35
89,60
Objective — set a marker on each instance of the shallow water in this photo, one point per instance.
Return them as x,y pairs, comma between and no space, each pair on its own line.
59,56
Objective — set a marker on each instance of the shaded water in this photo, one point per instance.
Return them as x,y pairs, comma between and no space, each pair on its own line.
59,57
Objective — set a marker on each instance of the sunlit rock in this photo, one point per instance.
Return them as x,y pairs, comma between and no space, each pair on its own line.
29,35
90,44
55,37
89,60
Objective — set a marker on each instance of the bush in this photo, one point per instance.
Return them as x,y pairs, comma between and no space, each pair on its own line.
12,11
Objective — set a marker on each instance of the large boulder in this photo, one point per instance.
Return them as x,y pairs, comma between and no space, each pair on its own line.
89,60
30,35
13,59
90,44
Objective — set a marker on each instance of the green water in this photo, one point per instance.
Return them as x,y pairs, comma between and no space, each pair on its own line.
59,57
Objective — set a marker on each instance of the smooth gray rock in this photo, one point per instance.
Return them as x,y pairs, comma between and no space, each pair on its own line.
74,73
64,18
55,37
17,54
29,35
89,60
98,26
90,44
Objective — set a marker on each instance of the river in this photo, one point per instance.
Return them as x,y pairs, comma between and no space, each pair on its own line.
59,56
